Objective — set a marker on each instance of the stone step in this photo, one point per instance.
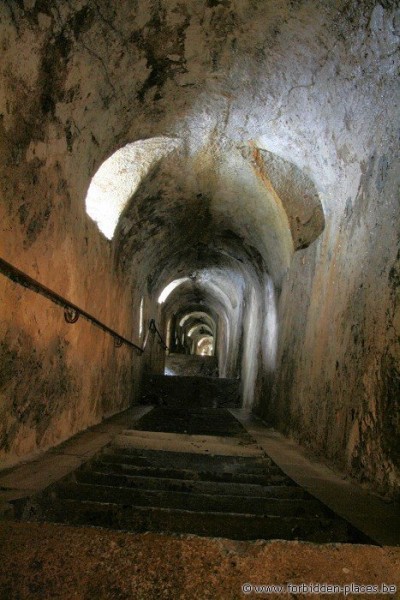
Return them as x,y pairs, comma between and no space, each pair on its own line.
184,437
196,444
113,464
190,485
198,421
190,392
238,526
205,462
193,365
254,505
171,454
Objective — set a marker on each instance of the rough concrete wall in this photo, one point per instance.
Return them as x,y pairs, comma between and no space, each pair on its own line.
52,375
338,385
55,379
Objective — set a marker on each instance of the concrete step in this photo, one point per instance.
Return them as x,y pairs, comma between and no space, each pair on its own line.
187,364
260,455
254,505
114,464
202,462
197,421
190,485
186,443
238,526
190,392
233,442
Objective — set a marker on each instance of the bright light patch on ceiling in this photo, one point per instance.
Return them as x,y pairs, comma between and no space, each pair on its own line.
198,327
170,288
194,315
270,328
193,329
119,177
184,319
141,317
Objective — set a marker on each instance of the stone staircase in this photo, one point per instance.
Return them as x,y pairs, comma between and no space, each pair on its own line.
190,391
191,364
182,470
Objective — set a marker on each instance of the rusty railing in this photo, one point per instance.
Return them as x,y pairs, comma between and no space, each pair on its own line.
73,312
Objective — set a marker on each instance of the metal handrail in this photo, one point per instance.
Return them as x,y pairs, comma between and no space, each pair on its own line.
153,328
71,311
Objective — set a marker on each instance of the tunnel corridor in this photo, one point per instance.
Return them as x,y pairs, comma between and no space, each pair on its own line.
189,467
199,216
